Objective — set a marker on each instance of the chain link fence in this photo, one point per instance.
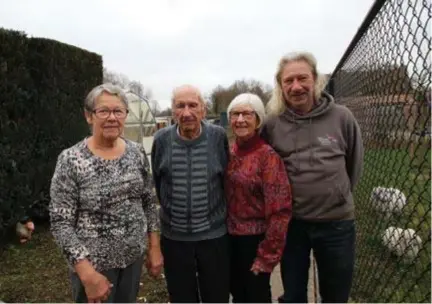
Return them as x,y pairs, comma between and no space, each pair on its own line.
384,77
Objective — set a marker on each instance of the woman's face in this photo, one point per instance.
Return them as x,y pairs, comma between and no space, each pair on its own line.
243,121
108,117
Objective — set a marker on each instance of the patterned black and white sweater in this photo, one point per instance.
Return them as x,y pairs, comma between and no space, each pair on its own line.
102,209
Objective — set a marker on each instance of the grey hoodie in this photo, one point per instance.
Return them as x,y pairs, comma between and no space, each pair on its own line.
323,154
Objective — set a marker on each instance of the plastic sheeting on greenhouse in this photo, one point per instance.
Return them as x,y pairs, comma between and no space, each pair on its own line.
140,124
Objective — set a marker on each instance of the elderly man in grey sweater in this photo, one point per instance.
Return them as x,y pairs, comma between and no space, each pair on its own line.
188,163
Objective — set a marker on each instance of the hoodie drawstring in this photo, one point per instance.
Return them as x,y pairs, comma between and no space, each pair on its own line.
311,153
296,165
310,144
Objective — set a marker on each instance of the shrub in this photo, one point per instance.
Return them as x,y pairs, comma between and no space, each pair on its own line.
44,83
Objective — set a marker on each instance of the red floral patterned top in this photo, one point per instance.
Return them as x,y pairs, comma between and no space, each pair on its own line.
259,198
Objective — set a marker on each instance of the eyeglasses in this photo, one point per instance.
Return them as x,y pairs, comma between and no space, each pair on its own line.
246,114
104,113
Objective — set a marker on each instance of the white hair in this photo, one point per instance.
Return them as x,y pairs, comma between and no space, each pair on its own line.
252,100
277,103
97,91
187,87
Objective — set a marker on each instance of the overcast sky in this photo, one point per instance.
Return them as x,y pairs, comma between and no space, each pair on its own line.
166,43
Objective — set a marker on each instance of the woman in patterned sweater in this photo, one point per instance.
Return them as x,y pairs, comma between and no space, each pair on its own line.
102,204
259,203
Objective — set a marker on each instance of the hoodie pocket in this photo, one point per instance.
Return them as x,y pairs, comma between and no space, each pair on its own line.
326,198
344,191
342,198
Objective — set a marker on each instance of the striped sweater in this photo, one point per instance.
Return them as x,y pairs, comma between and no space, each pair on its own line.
188,176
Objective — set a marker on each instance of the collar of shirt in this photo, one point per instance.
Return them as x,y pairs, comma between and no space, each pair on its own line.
178,130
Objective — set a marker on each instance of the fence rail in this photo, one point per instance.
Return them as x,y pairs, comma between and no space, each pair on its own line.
384,77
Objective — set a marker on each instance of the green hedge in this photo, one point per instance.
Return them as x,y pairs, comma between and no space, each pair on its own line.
42,88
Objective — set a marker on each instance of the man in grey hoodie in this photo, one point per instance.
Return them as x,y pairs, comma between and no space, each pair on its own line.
321,145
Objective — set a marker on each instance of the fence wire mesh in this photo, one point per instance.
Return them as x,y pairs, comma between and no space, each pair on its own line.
385,79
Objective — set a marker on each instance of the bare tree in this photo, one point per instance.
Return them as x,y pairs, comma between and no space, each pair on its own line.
115,78
136,87
154,107
220,97
147,93
165,112
133,86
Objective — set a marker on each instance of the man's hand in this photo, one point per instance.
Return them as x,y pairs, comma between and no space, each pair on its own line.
24,231
154,262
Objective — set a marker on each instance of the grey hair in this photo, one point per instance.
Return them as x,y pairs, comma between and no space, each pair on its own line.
97,91
277,104
252,100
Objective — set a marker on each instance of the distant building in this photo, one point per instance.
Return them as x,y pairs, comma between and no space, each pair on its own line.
164,121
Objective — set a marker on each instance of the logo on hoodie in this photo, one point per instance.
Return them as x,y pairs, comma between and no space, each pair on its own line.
327,140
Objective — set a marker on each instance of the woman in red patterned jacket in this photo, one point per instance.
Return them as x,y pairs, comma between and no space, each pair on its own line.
259,203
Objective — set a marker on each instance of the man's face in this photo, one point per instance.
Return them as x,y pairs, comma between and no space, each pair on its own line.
298,82
188,110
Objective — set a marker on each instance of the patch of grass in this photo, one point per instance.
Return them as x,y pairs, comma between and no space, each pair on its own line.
37,272
380,276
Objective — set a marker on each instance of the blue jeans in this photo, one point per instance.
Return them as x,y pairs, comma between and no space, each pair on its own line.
333,244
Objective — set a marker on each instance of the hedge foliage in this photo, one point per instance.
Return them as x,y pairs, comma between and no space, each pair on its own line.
43,84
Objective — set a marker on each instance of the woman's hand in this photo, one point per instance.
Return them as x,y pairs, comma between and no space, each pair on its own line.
25,231
97,286
255,269
154,262
258,267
